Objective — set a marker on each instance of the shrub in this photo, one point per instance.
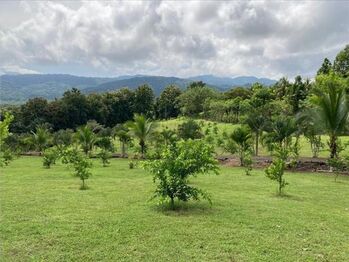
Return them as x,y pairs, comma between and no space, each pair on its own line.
189,130
80,162
177,164
277,169
50,156
240,142
104,155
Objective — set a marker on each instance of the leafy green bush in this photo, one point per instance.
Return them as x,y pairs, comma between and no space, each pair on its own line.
240,142
177,164
50,156
80,162
189,129
104,155
277,169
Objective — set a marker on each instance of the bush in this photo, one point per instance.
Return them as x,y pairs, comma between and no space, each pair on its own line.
104,155
277,169
50,156
79,162
177,164
189,130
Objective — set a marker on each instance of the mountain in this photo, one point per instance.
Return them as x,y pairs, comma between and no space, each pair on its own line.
228,82
15,89
158,83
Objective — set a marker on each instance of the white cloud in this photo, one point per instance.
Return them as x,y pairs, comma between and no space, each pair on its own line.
176,38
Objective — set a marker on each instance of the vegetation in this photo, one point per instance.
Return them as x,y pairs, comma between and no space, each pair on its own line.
142,129
177,164
245,223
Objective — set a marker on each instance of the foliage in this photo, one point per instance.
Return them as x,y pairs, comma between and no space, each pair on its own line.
325,68
239,141
141,128
86,138
280,133
277,169
341,62
177,164
5,154
80,163
41,138
257,123
105,155
193,99
50,156
122,132
330,108
144,101
338,165
189,129
167,105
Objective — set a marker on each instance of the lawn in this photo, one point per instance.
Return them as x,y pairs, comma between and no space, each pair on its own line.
45,217
305,150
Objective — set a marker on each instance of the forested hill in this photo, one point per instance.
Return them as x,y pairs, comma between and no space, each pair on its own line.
15,89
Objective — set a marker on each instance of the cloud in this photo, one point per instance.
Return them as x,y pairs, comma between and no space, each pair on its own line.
261,38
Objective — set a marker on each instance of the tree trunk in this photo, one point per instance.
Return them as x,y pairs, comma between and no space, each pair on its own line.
123,149
257,142
333,146
142,145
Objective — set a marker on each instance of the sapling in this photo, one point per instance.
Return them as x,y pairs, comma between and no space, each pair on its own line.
177,164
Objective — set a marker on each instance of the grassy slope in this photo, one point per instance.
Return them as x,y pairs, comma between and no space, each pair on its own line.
305,150
45,217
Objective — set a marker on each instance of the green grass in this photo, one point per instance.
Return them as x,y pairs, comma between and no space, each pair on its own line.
305,150
45,217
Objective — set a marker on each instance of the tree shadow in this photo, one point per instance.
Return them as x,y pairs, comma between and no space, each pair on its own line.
185,208
288,196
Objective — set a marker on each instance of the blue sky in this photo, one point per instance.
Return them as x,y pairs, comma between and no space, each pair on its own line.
110,38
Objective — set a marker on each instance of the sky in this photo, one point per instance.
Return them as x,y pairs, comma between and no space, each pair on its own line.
171,38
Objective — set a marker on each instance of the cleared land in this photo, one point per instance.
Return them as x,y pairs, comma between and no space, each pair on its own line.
45,217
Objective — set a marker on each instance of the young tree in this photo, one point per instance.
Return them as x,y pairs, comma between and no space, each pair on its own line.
176,165
86,138
141,128
122,132
50,156
280,132
41,138
5,155
330,108
240,142
257,123
79,162
106,146
277,169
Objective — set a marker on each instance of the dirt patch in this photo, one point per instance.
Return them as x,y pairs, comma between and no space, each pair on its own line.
304,164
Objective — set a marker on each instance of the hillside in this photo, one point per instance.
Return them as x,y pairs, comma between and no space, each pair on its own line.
15,89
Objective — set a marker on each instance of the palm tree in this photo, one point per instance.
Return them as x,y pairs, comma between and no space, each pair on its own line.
86,138
239,141
256,123
330,110
141,128
41,138
280,132
122,132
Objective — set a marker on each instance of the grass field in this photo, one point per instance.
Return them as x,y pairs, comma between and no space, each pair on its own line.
45,217
305,150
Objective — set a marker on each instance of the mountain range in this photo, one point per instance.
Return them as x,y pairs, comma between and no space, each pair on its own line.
16,89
